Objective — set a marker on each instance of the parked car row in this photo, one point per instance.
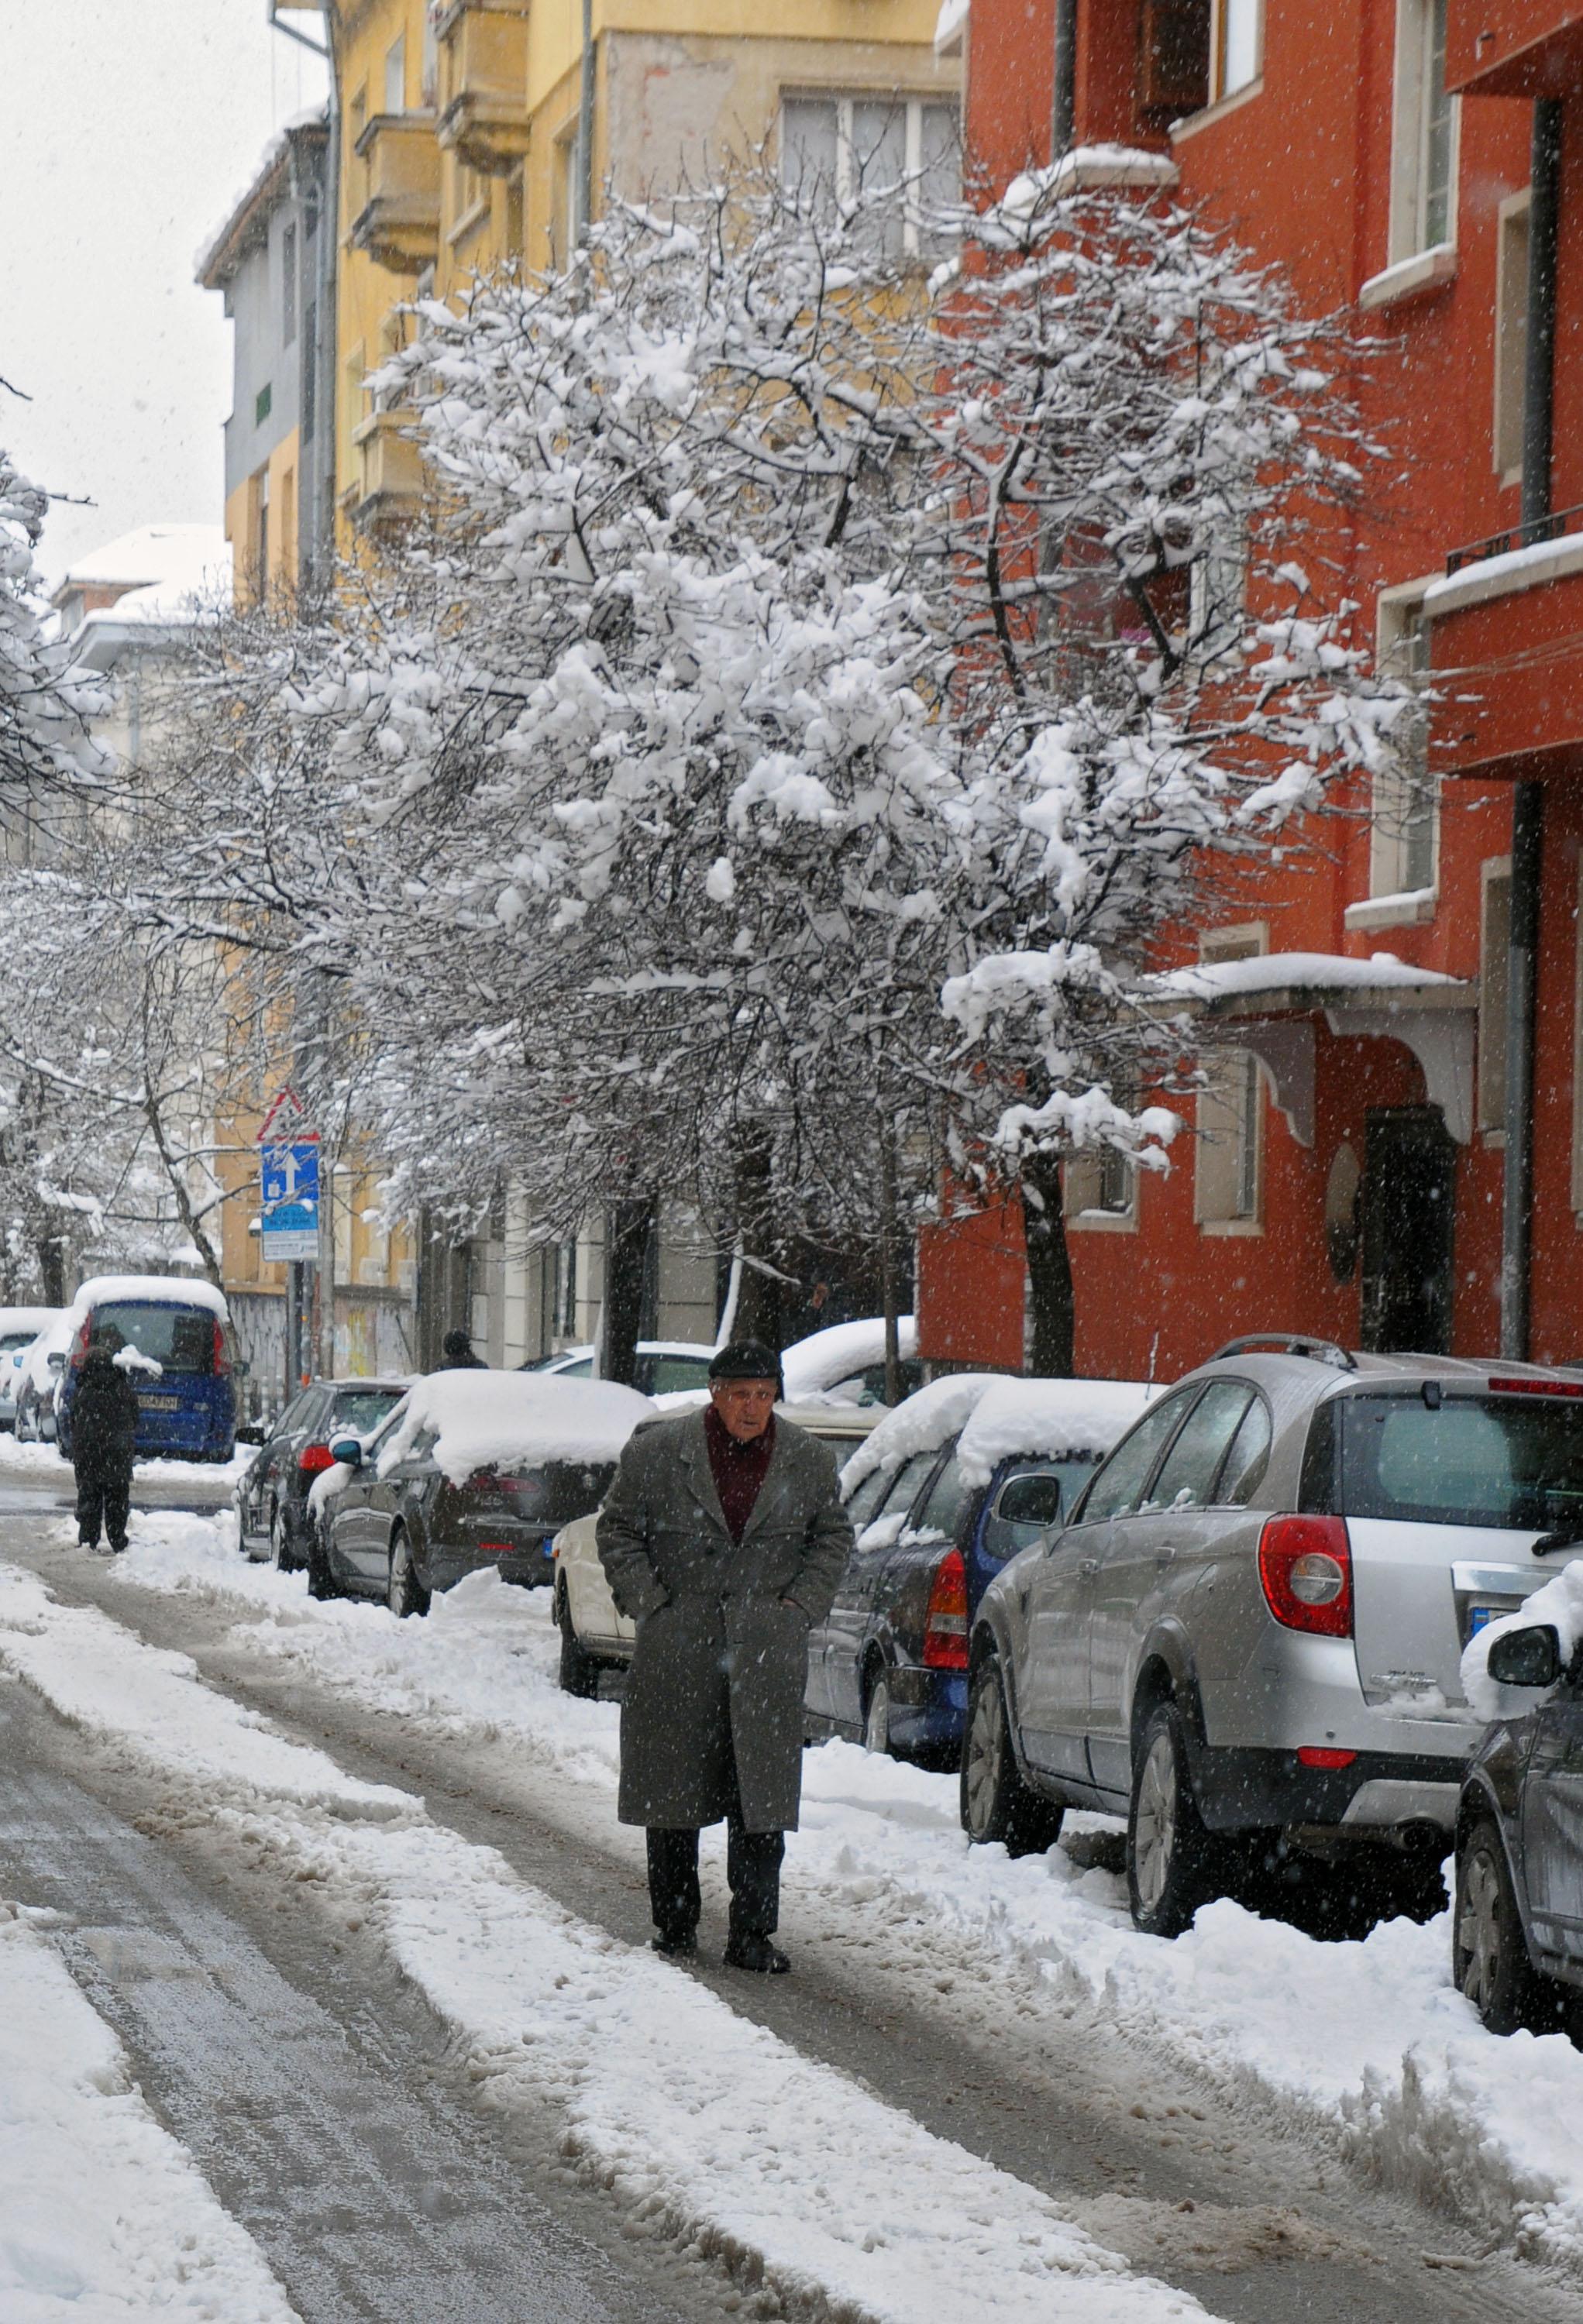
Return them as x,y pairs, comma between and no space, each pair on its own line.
1265,1613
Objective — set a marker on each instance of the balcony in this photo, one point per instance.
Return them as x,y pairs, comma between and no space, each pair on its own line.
398,223
1514,48
483,83
1506,655
389,487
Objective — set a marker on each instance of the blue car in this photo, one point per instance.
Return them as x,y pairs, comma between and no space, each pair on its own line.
970,1470
187,1409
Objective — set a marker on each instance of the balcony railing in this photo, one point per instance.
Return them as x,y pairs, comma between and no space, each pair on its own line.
1554,527
399,222
483,83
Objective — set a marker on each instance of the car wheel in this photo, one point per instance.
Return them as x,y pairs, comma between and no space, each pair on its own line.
1173,1863
406,1594
283,1553
876,1721
996,1802
580,1672
1489,1954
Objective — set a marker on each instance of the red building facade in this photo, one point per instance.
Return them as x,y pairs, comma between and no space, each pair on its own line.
1390,1153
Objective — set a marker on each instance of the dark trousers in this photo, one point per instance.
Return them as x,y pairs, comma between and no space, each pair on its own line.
103,1499
752,1868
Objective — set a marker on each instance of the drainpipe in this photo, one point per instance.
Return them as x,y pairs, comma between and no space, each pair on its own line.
1528,799
585,128
1063,110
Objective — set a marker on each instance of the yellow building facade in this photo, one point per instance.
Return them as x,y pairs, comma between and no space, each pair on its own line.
459,148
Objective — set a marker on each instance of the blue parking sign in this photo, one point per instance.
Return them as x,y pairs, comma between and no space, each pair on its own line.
290,1221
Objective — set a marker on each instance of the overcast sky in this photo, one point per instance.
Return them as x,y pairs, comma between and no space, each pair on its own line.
131,126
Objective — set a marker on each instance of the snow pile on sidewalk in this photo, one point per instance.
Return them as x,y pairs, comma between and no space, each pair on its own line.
47,1460
104,2219
1366,2042
702,2124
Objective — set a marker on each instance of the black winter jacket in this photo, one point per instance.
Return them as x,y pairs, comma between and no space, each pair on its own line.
104,1416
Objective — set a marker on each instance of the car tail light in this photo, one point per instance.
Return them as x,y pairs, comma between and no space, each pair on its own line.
1504,1386
222,1353
499,1548
312,1458
1305,1570
945,1623
79,1345
1321,1755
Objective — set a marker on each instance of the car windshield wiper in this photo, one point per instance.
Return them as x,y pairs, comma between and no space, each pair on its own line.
1565,1536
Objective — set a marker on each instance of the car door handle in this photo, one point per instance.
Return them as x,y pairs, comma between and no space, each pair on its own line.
1087,1565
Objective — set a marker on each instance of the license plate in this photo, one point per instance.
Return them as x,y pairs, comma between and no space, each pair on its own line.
160,1403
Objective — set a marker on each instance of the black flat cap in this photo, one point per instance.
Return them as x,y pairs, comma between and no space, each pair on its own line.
745,1360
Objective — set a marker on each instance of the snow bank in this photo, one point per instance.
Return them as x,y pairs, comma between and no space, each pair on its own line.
46,1463
150,2238
999,1417
812,1366
1558,1600
513,1420
1366,2045
117,1290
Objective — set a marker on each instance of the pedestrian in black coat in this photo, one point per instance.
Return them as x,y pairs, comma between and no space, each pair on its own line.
104,1438
458,1354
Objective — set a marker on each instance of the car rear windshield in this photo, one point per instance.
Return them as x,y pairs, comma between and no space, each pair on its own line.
360,1409
178,1339
1512,1461
559,1490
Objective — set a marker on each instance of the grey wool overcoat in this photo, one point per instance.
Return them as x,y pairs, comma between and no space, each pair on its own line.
721,1658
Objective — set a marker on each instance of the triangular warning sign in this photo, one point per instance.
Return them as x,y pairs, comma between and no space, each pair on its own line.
286,1119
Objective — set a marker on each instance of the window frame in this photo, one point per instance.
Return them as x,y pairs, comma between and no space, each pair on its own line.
1399,630
1490,1103
1411,114
1220,18
1249,940
914,104
1507,391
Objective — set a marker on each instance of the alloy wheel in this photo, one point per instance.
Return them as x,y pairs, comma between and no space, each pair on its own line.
1154,1843
984,1747
1479,1930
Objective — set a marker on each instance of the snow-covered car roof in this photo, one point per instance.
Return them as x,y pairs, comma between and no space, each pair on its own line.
812,1367
27,1319
999,1418
645,1348
513,1420
160,1290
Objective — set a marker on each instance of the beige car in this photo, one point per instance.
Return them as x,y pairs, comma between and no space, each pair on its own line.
593,1636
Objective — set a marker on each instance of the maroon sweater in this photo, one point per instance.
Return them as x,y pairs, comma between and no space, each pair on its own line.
738,1470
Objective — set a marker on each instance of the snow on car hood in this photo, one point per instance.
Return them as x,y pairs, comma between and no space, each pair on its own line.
998,1417
825,1358
514,1420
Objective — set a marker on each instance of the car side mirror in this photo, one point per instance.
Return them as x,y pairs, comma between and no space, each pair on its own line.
1529,1657
348,1451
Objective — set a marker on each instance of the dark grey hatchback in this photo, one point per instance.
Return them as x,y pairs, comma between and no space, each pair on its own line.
1517,1928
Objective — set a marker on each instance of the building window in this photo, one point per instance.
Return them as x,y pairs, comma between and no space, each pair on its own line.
1511,336
1495,936
261,534
1229,1171
517,214
263,403
395,76
563,199
1423,142
1217,601
1100,1188
430,88
288,286
1405,810
1236,46
1174,54
839,147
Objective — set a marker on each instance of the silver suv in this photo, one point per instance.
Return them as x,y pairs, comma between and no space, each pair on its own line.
1249,1635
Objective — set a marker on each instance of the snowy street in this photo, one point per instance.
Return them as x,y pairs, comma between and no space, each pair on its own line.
351,1896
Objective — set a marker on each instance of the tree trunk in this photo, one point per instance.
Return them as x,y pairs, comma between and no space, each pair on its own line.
627,1243
758,1300
1050,1269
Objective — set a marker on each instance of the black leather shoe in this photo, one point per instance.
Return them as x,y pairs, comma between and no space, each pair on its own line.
681,1946
756,1953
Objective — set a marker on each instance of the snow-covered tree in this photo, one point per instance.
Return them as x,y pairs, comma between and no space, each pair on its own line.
45,706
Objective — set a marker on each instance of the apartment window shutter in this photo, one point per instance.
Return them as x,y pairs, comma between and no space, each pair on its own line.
1174,60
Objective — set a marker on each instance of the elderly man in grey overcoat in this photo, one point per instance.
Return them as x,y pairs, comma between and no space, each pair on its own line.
724,1539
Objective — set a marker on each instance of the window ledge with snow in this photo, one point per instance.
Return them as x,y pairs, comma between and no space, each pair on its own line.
1209,115
1410,278
1086,166
1408,909
1104,1222
1503,577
